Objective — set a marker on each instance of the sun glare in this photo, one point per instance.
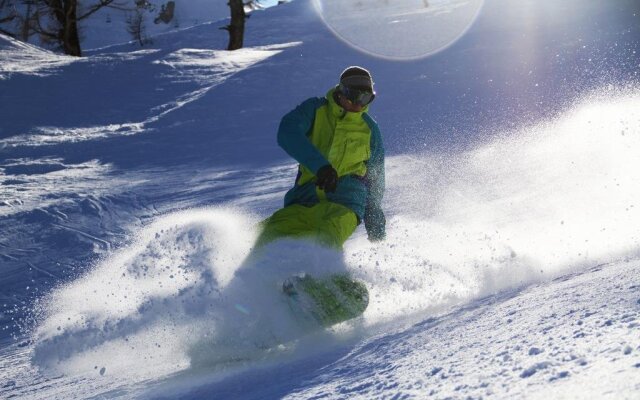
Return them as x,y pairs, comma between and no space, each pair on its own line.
399,29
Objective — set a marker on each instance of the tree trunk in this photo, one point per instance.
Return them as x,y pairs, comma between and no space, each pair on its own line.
65,12
236,28
71,41
26,26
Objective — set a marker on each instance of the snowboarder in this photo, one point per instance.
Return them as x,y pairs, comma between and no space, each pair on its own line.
340,180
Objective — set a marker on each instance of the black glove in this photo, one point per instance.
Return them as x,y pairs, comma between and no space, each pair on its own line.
327,178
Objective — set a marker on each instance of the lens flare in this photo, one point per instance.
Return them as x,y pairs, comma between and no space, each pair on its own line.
399,29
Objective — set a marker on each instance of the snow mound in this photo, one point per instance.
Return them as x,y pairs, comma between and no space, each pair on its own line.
20,57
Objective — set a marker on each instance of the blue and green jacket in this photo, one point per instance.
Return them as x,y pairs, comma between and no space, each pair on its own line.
320,132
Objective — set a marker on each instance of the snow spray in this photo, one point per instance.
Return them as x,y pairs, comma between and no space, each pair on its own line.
554,197
551,198
190,292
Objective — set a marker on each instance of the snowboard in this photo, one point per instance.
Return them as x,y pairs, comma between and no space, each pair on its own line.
326,301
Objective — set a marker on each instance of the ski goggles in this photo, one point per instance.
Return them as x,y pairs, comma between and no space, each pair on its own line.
361,97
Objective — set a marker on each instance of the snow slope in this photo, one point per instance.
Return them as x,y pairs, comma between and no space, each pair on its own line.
132,182
571,338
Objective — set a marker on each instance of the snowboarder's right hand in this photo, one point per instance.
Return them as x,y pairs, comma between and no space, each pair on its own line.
327,178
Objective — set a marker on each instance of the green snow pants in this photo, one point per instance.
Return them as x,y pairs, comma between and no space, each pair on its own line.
327,223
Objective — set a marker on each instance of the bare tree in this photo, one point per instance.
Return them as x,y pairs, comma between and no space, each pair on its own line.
135,26
136,21
236,27
56,21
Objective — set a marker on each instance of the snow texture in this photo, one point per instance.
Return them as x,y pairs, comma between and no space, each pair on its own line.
133,181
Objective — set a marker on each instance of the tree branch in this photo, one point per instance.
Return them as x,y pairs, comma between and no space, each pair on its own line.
12,14
2,31
53,5
7,19
42,31
101,4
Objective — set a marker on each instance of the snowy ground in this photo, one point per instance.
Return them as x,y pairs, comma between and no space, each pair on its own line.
132,181
573,337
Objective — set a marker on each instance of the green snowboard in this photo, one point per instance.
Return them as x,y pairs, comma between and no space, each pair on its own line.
326,301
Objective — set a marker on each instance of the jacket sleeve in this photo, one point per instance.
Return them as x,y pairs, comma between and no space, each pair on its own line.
292,135
374,219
